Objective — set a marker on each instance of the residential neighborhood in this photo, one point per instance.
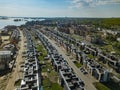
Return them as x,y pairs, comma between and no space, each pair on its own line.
59,44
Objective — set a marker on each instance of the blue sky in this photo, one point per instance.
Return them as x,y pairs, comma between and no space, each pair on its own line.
60,8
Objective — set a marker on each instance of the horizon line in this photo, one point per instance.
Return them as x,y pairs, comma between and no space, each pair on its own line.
56,17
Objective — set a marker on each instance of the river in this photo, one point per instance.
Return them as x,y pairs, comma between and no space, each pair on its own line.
10,21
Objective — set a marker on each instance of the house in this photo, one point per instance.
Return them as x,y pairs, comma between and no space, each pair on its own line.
4,32
15,36
5,58
69,80
94,39
89,38
10,47
97,71
91,50
81,57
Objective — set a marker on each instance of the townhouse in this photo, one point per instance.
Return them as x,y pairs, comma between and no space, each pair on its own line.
31,77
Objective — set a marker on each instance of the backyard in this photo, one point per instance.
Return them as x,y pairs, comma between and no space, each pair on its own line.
50,76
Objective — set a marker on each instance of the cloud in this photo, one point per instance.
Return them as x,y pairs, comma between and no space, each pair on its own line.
92,3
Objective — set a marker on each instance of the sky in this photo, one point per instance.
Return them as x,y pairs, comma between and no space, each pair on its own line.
60,8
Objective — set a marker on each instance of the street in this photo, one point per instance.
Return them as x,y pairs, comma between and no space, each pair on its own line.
16,74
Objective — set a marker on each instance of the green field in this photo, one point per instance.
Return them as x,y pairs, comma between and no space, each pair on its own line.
78,65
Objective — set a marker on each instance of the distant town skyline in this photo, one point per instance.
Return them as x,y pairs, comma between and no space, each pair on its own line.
60,8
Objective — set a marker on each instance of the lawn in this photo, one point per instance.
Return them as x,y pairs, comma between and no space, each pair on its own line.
47,66
56,86
53,73
76,36
18,82
41,58
50,82
53,76
107,48
48,85
107,85
100,86
77,64
90,56
112,85
40,48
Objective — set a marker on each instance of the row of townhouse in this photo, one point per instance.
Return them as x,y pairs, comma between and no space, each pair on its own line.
67,78
31,76
15,36
105,58
100,74
82,30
